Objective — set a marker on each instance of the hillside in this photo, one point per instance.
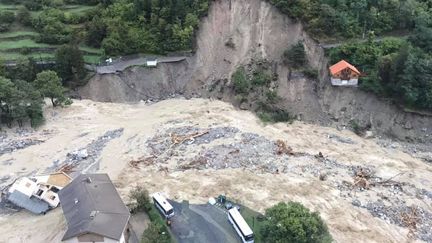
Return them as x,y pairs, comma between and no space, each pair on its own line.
259,32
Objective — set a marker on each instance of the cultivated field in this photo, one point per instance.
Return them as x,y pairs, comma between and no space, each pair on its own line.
22,42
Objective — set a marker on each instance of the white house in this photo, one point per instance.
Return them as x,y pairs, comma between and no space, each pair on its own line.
38,194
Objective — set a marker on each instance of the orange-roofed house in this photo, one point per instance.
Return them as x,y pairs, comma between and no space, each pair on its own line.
344,74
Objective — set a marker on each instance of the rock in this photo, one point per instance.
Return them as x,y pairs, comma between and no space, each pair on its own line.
244,106
356,203
408,125
82,154
369,134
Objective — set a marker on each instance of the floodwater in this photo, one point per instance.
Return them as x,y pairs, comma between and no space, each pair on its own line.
68,129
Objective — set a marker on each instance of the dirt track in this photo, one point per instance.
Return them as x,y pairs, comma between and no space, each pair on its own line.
258,188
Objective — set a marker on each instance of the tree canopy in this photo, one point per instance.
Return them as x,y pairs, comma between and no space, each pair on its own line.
50,86
292,222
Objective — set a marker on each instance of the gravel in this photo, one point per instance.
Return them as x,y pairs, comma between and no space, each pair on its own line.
85,159
11,146
394,215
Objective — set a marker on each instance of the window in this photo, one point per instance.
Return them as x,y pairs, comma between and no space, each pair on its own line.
39,192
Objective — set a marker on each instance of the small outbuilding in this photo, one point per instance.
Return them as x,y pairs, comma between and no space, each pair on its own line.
94,210
344,74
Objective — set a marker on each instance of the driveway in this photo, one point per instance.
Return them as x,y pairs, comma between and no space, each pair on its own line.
201,223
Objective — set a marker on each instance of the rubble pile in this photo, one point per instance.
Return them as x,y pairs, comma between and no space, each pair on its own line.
416,219
18,144
85,158
253,151
164,141
386,198
21,138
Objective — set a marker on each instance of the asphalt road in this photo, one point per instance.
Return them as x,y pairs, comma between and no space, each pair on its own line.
201,223
121,64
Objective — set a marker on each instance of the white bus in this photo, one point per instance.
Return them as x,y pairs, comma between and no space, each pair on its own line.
163,205
240,225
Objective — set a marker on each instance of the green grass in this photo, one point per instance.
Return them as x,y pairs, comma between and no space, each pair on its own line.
91,59
10,7
251,218
77,8
6,45
18,33
12,56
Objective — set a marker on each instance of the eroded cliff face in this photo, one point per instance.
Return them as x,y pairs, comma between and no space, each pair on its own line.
233,33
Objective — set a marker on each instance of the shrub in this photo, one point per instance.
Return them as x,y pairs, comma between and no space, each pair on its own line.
310,73
357,129
295,56
261,78
240,82
230,43
23,16
141,199
7,17
269,113
155,233
272,96
292,222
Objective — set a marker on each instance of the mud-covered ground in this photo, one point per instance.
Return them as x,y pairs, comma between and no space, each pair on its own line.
195,149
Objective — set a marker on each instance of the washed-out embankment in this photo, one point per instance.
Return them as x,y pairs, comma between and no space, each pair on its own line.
257,31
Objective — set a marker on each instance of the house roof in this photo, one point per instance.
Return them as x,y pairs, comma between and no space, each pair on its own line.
32,204
341,66
91,204
60,179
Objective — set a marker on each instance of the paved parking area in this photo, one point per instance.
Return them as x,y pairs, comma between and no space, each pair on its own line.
201,223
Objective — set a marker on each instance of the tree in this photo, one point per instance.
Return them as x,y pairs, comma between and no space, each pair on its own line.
28,104
96,32
295,56
19,101
70,64
292,222
23,16
7,93
49,84
141,199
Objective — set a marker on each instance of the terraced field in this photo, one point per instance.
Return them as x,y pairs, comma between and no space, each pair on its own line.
21,42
